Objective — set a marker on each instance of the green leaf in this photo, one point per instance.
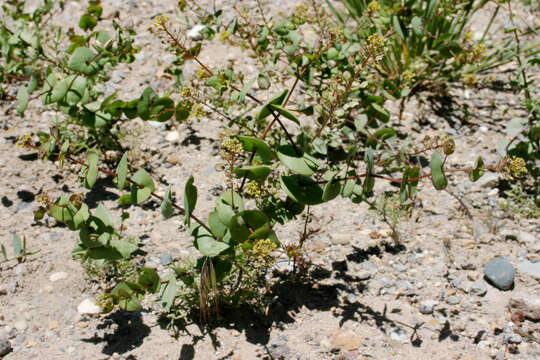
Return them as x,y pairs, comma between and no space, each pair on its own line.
331,190
348,188
437,174
92,158
304,164
276,100
169,292
87,22
183,110
17,245
81,216
128,295
22,100
260,147
224,212
250,225
218,227
149,279
124,248
232,199
80,61
190,199
3,250
255,172
162,109
62,210
478,171
78,90
369,181
167,209
413,184
408,188
289,115
60,90
416,24
29,38
121,172
302,189
245,89
381,113
144,104
206,244
103,214
104,253
263,82
397,27
139,195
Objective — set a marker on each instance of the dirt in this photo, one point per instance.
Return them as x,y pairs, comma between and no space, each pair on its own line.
370,297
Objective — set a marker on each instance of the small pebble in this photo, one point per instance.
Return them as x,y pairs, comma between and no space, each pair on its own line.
57,276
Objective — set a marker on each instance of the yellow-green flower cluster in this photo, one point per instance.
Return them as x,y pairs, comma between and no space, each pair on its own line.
409,76
374,7
515,166
186,92
470,79
300,15
224,35
263,248
478,51
197,111
161,22
230,148
449,145
254,189
24,141
43,198
374,47
336,33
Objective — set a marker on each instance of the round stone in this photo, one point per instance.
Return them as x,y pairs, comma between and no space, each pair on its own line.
500,273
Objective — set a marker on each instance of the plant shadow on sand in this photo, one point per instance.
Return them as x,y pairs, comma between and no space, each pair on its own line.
320,290
129,333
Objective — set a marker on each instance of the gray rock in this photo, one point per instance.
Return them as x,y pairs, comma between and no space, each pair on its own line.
12,287
281,351
20,338
530,269
5,347
364,275
488,180
51,236
479,229
398,334
165,259
452,300
526,238
427,307
500,273
526,303
23,205
21,325
512,339
479,287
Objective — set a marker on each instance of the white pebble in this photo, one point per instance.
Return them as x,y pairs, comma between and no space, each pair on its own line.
88,306
58,276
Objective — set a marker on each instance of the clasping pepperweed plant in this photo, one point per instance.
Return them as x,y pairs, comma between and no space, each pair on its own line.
324,135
